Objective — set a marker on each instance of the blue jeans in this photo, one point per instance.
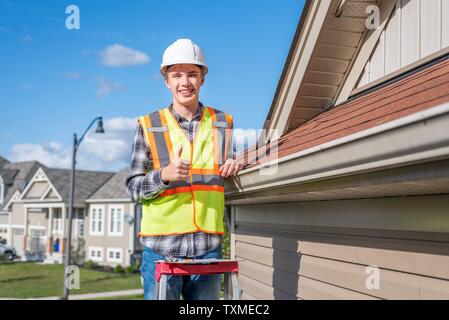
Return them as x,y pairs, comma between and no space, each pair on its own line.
194,287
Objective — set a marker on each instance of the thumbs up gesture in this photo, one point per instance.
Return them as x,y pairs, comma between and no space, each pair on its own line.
177,169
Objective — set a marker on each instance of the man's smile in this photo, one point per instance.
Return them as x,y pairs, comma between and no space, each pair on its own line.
186,92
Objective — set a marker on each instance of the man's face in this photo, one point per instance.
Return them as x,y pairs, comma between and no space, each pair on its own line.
184,81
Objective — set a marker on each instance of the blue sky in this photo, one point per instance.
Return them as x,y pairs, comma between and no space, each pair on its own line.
53,81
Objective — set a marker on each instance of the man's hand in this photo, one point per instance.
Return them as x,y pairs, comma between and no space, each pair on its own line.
177,170
230,168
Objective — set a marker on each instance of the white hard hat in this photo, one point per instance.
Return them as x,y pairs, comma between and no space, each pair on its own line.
183,51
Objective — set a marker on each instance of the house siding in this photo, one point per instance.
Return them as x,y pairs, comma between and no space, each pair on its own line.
4,219
328,249
106,241
416,29
37,190
37,220
17,214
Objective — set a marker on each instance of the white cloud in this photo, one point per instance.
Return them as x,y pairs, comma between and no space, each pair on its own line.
106,87
50,154
120,56
105,152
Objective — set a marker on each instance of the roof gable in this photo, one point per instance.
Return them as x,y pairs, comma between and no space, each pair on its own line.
39,186
24,173
325,45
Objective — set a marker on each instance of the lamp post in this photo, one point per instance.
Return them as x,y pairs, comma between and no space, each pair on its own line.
76,144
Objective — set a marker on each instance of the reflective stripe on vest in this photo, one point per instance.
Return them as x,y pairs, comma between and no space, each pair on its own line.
196,204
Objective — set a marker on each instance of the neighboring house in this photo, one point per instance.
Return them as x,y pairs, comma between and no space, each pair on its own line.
34,213
14,177
41,211
111,226
358,207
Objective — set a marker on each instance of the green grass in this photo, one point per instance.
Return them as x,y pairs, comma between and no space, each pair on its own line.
30,280
132,297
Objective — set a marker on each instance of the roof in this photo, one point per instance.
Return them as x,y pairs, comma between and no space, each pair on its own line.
22,173
114,188
418,91
327,39
8,175
3,161
86,182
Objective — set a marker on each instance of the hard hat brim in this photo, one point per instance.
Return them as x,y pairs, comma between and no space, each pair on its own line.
203,67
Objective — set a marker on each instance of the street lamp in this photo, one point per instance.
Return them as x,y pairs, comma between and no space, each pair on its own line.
76,144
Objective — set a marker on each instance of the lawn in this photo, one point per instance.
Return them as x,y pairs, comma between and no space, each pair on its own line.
133,297
30,280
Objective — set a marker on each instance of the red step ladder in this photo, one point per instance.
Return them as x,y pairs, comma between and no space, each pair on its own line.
185,267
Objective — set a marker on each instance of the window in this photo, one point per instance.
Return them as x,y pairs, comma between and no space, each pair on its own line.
37,233
96,220
80,222
3,230
57,222
115,255
115,221
96,254
18,231
79,212
80,228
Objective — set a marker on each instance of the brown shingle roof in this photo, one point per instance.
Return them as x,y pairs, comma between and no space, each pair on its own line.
419,91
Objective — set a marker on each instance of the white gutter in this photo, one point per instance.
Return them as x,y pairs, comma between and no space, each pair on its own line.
250,182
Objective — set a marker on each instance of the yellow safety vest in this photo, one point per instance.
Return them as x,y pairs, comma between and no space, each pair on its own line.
196,204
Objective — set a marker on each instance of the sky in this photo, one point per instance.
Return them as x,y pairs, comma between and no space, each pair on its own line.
54,81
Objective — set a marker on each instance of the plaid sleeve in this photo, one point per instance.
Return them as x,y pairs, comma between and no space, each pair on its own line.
143,182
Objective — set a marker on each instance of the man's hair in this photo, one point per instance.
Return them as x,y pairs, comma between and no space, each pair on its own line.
168,67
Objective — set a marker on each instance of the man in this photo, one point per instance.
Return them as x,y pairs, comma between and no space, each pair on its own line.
181,155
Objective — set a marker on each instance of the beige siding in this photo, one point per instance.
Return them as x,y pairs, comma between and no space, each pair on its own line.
4,218
37,219
17,214
37,190
327,250
416,29
52,195
106,240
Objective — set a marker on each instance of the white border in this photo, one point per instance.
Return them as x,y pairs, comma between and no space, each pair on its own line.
114,250
104,225
89,256
120,232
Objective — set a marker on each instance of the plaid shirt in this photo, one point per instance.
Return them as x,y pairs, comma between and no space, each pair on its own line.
142,182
